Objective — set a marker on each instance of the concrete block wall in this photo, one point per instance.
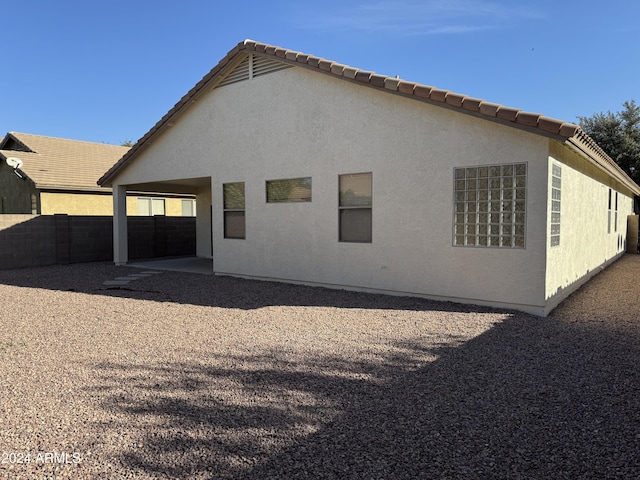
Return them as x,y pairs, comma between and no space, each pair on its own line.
161,236
633,234
37,240
26,240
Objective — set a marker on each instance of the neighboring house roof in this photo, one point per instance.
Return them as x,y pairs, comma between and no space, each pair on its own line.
224,71
59,163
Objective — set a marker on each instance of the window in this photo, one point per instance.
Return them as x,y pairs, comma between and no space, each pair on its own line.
234,222
188,207
355,203
490,206
289,190
556,187
609,214
615,218
148,206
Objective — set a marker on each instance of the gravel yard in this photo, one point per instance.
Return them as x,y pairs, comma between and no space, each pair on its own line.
186,376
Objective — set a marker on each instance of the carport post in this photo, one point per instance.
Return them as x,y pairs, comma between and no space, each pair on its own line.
120,248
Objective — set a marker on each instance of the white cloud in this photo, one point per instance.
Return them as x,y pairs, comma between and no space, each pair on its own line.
415,17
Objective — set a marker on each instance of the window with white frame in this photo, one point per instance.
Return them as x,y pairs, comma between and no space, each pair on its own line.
188,207
150,206
556,195
355,208
490,206
233,205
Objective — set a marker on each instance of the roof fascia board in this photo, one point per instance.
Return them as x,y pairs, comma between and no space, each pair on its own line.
71,188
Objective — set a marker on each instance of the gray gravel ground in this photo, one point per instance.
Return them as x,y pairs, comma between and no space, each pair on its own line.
187,376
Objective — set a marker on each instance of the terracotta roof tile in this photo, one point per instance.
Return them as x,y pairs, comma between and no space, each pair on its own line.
438,95
349,72
313,61
550,125
377,80
489,109
568,130
506,115
471,104
363,76
391,84
422,91
406,87
454,99
293,56
302,58
325,65
528,119
337,68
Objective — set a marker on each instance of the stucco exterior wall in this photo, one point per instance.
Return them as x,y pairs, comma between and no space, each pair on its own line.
15,192
296,123
587,244
76,203
98,204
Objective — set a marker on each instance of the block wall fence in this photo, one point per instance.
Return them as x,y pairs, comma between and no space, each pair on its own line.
36,240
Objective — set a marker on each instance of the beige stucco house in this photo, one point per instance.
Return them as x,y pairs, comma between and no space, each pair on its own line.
306,170
57,175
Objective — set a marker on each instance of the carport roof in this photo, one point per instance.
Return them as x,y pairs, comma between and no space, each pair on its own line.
569,133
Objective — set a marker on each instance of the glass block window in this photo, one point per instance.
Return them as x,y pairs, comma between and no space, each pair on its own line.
355,204
556,197
289,190
490,206
234,222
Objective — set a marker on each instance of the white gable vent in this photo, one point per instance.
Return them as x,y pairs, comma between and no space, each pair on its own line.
238,74
264,65
252,66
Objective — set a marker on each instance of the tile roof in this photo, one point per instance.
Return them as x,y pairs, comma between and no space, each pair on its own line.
534,122
58,163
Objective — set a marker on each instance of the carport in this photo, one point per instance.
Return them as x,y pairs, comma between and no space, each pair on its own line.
200,187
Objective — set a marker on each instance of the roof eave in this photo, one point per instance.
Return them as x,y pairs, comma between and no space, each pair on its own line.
532,122
586,146
72,188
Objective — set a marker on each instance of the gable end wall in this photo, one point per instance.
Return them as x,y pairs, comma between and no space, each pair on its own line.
295,123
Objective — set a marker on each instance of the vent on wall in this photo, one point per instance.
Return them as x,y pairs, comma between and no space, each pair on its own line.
252,66
264,65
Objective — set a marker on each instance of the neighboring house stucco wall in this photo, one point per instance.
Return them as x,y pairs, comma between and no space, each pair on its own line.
296,123
15,192
82,203
76,203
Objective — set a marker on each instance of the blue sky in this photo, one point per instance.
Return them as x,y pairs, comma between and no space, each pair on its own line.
107,71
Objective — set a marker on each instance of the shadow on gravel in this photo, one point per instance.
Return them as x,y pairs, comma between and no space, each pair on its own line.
209,290
529,399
